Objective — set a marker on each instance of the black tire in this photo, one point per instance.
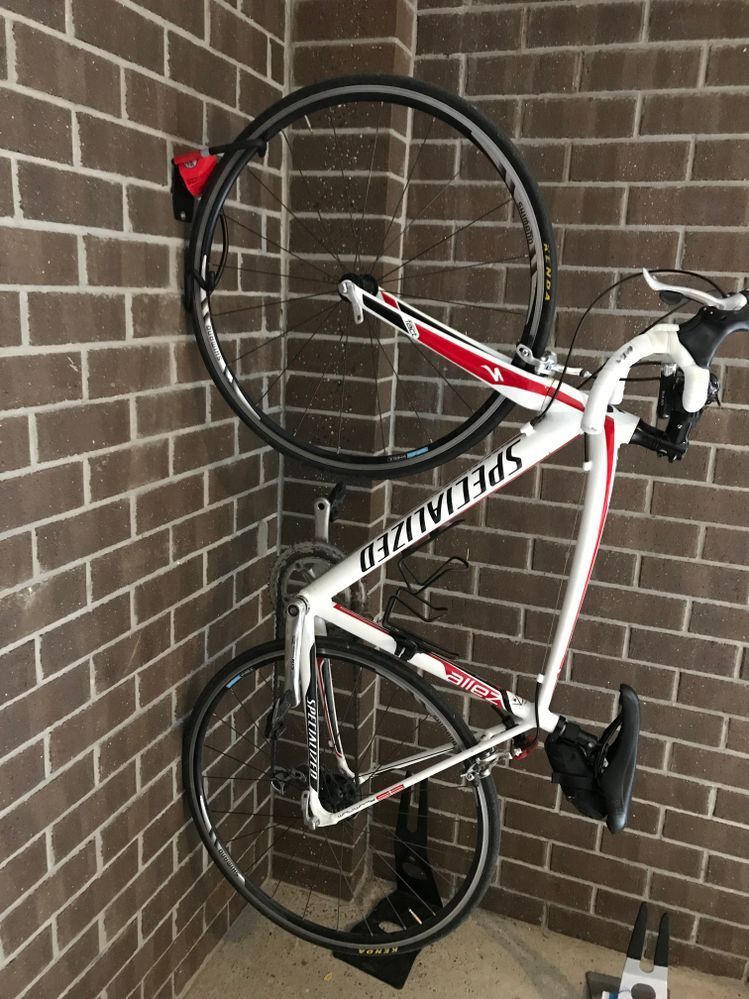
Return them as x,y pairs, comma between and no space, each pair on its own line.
487,816
533,226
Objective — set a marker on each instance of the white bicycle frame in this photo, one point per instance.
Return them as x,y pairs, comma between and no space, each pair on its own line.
568,414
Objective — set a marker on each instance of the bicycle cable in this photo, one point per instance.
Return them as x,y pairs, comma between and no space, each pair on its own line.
623,280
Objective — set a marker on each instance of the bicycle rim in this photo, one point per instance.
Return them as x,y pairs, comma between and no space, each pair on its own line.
325,885
402,185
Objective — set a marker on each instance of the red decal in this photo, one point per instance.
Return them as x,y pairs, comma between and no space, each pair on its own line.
195,169
471,684
363,620
475,363
390,791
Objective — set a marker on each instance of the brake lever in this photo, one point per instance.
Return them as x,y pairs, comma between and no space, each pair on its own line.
731,303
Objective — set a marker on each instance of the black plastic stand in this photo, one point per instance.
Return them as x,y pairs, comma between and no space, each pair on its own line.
415,897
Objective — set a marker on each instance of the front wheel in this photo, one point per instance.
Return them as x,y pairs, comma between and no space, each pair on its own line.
400,187
338,886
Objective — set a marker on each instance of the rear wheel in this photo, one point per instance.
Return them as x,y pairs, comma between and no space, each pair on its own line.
334,886
408,189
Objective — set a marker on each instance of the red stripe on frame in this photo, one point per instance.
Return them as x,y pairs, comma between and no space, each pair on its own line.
477,364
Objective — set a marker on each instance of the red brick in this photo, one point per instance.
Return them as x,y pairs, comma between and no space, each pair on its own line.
470,31
126,263
131,653
134,736
632,160
54,66
711,765
27,964
124,827
40,809
80,636
102,143
128,469
32,256
51,136
699,898
552,887
169,502
75,318
201,70
33,379
43,602
708,833
50,895
674,19
120,370
578,117
126,34
576,24
699,112
175,409
70,539
15,560
721,159
93,721
687,205
87,905
162,591
640,69
20,773
77,429
92,812
129,563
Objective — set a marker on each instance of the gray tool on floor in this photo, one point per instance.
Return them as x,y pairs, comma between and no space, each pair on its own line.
635,982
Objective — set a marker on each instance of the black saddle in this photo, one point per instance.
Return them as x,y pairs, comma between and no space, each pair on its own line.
597,774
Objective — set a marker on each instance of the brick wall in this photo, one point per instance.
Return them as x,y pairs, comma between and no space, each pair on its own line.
634,116
138,520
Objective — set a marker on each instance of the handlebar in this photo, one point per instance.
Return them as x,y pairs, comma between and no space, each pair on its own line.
691,346
662,339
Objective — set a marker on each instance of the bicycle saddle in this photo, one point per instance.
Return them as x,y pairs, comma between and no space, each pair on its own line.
597,774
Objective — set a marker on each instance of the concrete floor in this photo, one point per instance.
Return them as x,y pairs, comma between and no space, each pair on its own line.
487,957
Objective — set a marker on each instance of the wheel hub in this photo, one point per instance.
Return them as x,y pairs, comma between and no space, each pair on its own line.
367,282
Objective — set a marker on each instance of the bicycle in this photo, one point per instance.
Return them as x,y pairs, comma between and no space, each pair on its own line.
304,757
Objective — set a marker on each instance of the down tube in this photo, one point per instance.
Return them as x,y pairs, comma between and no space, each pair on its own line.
528,448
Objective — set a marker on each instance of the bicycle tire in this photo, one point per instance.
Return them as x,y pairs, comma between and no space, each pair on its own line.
493,144
340,941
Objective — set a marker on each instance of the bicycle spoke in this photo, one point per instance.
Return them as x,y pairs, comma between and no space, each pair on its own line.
294,329
423,211
278,301
339,159
476,265
333,256
403,192
444,239
343,382
284,249
235,758
366,193
397,382
293,359
302,174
